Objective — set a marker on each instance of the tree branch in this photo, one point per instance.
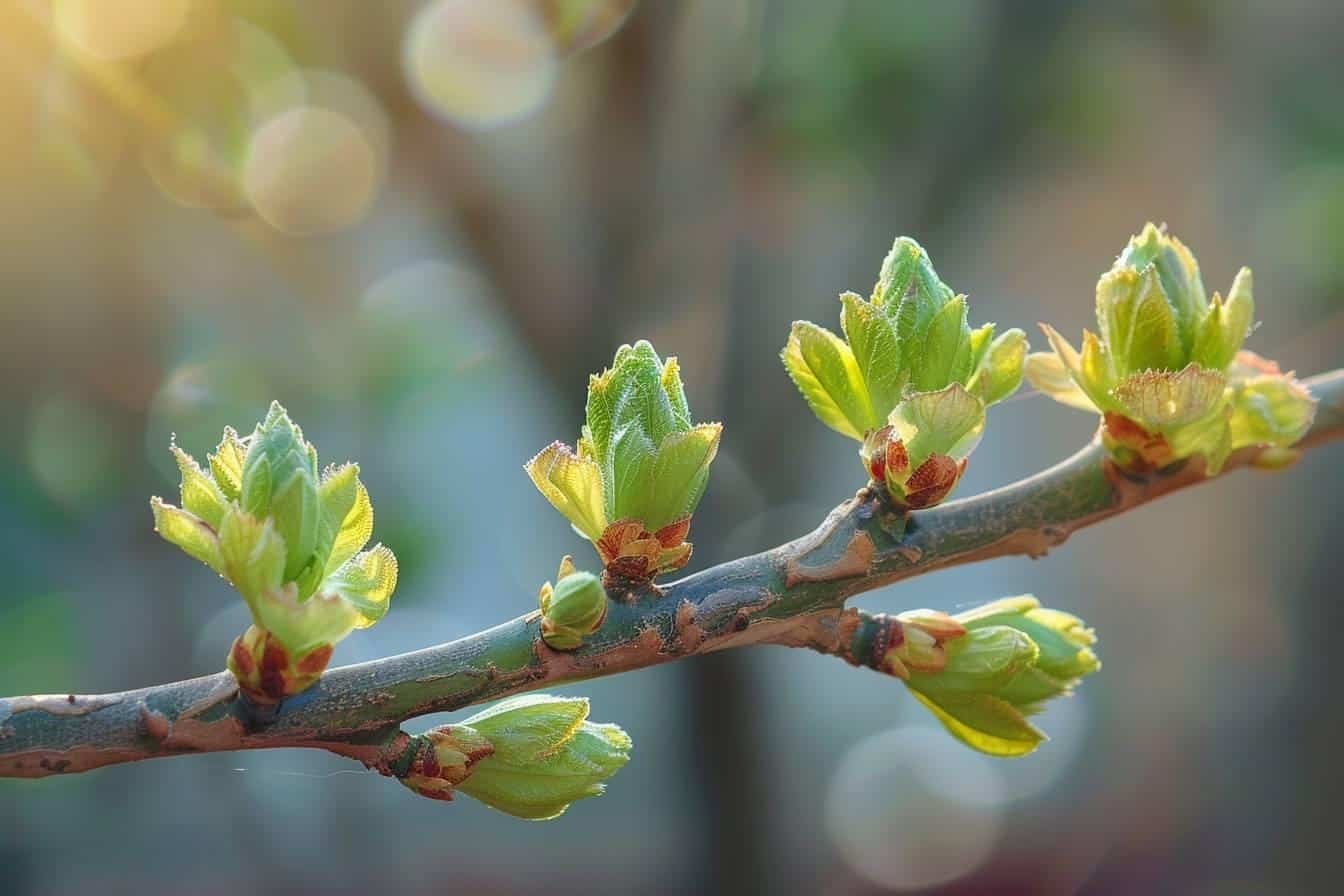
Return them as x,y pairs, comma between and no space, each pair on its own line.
791,595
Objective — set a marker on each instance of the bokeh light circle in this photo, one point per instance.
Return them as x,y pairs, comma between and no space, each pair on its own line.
578,25
310,170
909,809
119,29
218,90
480,63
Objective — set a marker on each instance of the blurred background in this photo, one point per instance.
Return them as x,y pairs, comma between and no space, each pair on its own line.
420,225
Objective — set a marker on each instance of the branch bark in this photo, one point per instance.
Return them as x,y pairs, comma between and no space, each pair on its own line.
792,595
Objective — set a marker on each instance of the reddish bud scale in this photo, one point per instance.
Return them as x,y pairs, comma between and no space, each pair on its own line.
932,481
265,670
1134,448
633,553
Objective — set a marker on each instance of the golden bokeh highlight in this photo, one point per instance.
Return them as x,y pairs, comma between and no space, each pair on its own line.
218,89
480,63
310,170
119,29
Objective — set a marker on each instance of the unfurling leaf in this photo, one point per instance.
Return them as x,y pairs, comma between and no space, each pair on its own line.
1162,373
982,672
529,756
911,339
288,540
640,468
824,369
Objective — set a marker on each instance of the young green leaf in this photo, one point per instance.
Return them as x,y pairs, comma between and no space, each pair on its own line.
825,370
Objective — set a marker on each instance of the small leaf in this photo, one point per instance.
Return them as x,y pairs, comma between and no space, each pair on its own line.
189,532
253,554
325,618
353,532
200,495
1047,373
366,581
573,485
680,473
998,372
949,421
1239,316
676,393
897,273
826,372
1270,410
226,464
985,723
872,338
947,348
1152,341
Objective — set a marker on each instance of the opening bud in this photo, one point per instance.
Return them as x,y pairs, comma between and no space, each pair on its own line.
529,756
1011,656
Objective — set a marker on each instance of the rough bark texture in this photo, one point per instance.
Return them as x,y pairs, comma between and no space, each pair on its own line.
791,595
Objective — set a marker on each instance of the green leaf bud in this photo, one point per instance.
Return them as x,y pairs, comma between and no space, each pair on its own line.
1162,373
262,495
574,608
640,467
280,481
921,454
910,380
542,762
528,756
1010,657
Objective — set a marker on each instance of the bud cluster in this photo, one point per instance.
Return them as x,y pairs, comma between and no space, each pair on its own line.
528,756
639,470
910,379
982,672
1165,368
289,539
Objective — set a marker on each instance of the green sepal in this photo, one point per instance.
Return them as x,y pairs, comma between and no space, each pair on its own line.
824,369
